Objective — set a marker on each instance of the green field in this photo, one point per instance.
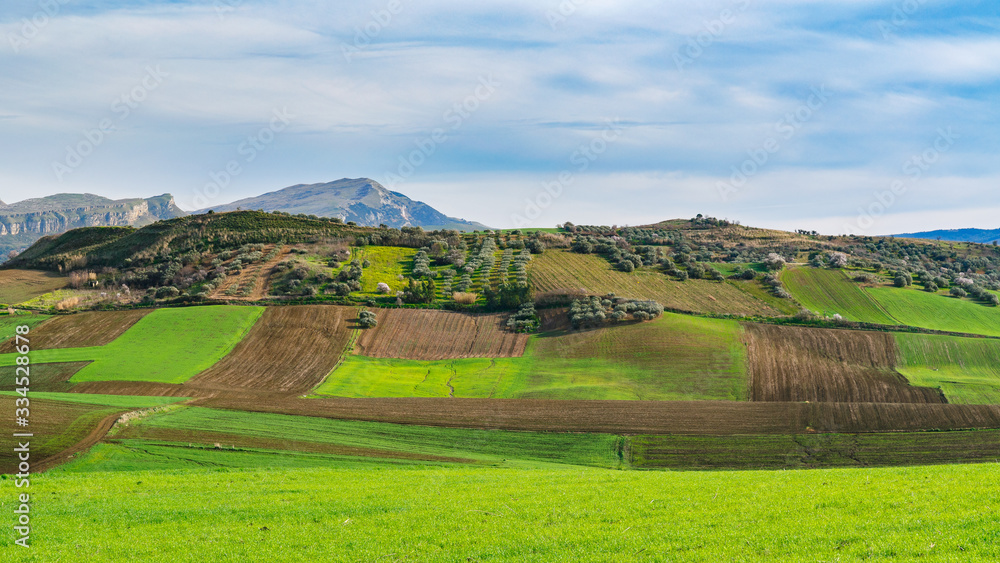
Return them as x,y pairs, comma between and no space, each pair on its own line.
255,440
9,324
940,513
121,401
831,292
967,370
387,264
939,312
166,346
675,357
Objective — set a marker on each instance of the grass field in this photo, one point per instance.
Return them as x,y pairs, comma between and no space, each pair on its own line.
9,324
18,286
387,264
166,346
121,401
557,270
939,312
967,370
343,441
940,513
675,357
830,292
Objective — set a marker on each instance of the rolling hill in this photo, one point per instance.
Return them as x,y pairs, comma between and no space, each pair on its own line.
362,200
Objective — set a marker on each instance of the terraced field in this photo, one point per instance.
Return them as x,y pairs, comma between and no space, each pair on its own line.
675,357
166,346
820,365
18,286
939,312
967,370
830,292
424,334
558,270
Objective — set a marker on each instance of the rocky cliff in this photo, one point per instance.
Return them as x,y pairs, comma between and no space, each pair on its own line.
22,223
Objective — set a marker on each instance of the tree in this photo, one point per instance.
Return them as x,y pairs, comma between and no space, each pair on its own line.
838,260
367,319
958,292
774,261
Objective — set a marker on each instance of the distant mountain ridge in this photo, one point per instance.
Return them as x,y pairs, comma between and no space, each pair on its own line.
24,222
958,235
361,200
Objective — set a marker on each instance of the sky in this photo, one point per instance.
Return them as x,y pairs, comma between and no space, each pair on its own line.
843,116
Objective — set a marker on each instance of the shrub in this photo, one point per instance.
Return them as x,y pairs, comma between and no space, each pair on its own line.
464,298
930,287
367,319
958,292
383,288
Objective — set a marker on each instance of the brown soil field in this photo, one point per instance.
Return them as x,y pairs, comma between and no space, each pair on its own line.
58,427
259,274
712,418
18,286
54,378
290,349
824,365
81,330
560,270
422,334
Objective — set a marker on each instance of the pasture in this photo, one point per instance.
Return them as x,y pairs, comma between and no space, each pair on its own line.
675,357
18,286
558,270
967,370
938,312
830,292
936,513
166,346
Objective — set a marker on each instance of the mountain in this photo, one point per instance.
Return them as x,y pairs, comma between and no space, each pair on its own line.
24,222
958,235
362,200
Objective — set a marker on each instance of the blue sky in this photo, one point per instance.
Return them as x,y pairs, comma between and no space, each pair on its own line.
862,116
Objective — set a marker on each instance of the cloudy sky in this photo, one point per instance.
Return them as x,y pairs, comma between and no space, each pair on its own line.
864,116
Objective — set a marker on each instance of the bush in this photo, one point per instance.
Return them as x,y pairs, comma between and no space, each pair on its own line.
383,288
958,292
626,266
930,287
367,319
464,298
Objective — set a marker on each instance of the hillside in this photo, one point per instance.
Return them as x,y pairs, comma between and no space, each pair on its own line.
24,222
363,201
958,235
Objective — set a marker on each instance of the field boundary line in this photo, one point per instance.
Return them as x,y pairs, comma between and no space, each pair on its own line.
348,348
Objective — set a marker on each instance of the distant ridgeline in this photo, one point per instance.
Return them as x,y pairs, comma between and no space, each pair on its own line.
23,223
958,235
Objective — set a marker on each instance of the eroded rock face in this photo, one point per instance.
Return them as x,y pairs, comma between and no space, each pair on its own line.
22,223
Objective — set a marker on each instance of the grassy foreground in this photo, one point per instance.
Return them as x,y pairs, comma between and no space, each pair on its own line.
941,513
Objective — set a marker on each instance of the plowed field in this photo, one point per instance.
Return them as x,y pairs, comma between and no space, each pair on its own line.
81,330
818,365
439,335
290,349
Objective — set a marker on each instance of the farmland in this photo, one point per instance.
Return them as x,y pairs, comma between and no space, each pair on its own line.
808,364
387,264
81,330
673,358
437,335
167,346
940,513
290,349
9,324
18,286
939,312
967,370
561,271
830,292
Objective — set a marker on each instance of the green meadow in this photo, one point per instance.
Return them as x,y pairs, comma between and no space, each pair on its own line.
938,513
675,357
831,292
166,346
967,370
9,324
913,307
